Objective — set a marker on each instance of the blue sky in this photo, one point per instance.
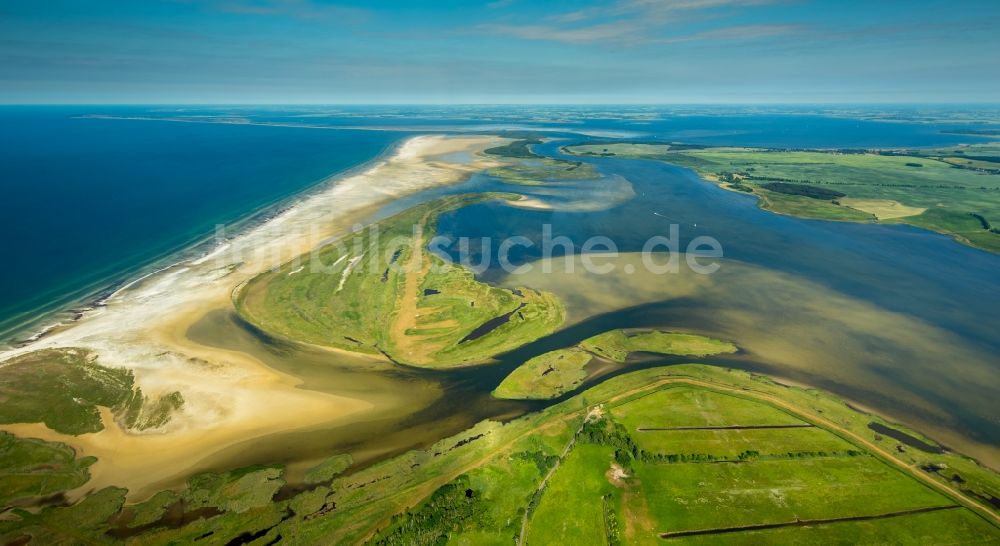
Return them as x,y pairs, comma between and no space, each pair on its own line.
500,51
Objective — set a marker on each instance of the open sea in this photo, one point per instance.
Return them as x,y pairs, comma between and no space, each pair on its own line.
89,203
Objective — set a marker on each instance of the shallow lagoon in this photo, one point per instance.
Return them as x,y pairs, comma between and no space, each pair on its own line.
894,318
907,286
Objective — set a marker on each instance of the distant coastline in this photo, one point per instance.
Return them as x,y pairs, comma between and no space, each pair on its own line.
973,132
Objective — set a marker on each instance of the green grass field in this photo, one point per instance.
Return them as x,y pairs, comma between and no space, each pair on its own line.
546,376
687,407
537,171
62,388
909,529
214,504
731,443
532,169
829,480
616,345
518,148
939,190
679,497
557,372
326,470
571,510
31,468
488,485
382,291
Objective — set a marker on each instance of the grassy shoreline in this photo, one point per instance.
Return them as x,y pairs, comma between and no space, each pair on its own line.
381,291
557,372
700,430
63,388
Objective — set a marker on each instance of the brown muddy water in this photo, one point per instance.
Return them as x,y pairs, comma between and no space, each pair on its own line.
412,407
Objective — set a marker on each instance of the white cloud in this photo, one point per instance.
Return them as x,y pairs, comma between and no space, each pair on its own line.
637,22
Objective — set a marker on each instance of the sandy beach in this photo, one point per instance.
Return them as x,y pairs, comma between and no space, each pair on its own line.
230,396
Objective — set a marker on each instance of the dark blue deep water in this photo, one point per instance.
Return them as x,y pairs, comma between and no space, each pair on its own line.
86,202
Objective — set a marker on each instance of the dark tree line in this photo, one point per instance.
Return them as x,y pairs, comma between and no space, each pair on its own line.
448,509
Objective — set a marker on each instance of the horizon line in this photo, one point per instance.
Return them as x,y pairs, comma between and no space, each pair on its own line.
460,103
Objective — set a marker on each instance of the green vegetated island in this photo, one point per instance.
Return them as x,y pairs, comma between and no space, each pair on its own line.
954,190
381,290
532,169
648,457
555,373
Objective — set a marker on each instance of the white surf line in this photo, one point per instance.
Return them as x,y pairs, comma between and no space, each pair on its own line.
347,270
214,252
104,301
290,273
45,330
81,311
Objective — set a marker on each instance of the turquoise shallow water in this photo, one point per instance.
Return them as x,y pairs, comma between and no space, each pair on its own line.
87,203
